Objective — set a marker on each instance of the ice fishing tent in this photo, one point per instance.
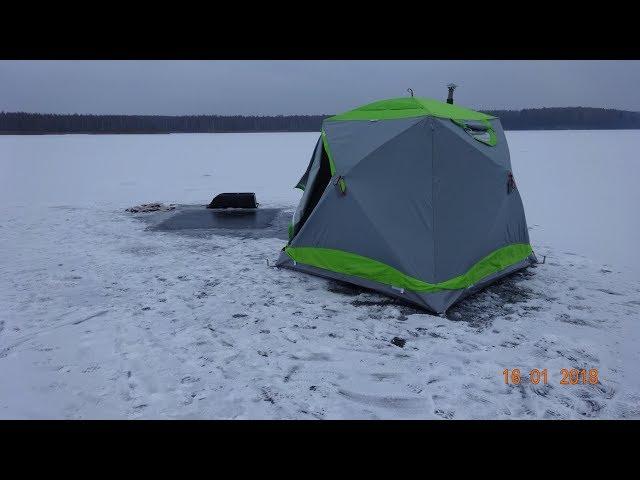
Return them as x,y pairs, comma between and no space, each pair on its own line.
411,197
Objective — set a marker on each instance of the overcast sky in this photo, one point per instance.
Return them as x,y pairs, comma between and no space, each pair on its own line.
307,87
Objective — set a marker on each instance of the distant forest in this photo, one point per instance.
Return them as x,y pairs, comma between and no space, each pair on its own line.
569,118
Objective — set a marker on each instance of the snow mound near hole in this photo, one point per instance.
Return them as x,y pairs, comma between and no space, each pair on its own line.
150,207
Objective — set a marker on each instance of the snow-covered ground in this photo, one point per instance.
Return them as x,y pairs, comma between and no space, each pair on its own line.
101,317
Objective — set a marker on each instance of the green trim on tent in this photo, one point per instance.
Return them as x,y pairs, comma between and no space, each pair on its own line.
406,107
493,138
325,142
351,264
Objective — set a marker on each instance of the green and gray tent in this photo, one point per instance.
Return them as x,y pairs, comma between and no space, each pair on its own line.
413,198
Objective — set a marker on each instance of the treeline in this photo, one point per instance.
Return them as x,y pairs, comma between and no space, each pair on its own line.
567,118
528,119
21,122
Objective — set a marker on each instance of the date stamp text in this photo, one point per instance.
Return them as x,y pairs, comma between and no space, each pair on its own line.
571,376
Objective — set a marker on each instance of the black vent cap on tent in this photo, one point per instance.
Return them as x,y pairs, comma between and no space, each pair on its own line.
234,200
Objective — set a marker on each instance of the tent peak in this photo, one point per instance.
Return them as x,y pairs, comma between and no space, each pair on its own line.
406,107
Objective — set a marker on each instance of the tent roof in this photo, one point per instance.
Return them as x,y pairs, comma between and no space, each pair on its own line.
405,107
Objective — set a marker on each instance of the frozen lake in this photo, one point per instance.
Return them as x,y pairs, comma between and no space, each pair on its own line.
580,192
579,187
102,318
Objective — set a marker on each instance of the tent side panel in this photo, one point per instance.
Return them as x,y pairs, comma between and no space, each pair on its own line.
385,213
475,211
393,185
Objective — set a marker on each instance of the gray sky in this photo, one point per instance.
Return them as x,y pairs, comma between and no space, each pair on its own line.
307,87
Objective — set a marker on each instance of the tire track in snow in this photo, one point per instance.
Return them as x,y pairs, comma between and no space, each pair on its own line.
4,351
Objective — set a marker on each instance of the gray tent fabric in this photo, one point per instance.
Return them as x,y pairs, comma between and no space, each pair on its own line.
351,141
382,200
473,212
429,214
308,179
315,159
